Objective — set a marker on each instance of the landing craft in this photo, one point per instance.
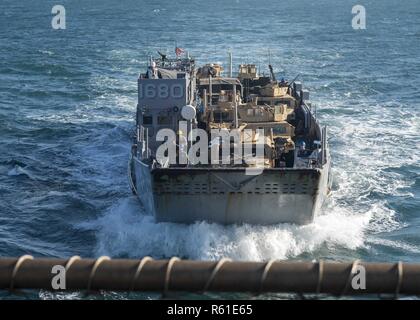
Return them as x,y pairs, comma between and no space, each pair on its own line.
293,171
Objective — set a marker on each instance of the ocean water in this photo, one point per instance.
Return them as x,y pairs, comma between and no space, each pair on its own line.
67,106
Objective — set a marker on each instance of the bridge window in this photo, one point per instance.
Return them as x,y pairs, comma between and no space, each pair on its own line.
163,120
147,120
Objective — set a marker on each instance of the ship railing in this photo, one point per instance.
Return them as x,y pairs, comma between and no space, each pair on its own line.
149,275
142,142
324,145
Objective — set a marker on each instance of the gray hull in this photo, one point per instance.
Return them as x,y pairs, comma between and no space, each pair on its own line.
228,196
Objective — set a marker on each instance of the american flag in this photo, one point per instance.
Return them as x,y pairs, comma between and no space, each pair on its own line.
178,51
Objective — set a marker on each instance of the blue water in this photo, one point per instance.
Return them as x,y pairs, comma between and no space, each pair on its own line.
67,106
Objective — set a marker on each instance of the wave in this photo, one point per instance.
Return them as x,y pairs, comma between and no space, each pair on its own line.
126,231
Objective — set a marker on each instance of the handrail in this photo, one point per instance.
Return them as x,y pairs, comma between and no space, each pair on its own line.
130,177
198,276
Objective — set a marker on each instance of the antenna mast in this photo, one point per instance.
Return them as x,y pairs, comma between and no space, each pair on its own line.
230,64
